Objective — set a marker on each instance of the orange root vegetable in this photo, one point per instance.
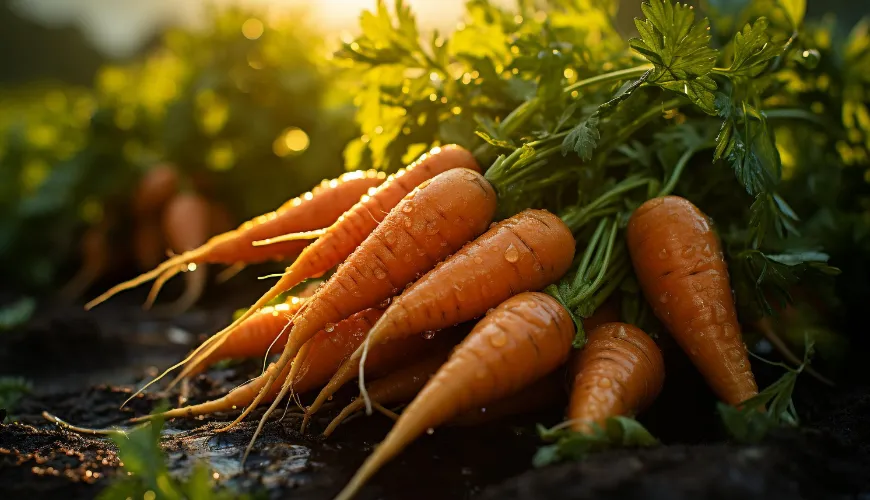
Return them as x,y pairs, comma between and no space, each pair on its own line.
149,247
429,224
314,210
545,393
265,332
398,387
619,372
95,256
324,353
679,264
157,186
186,221
337,242
526,252
520,341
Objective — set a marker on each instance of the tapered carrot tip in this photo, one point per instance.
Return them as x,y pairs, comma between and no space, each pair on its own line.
681,269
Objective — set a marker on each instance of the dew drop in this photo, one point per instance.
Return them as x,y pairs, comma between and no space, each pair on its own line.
605,383
406,257
688,251
665,297
408,223
697,286
431,228
428,334
385,303
329,327
390,237
511,254
663,253
430,431
407,208
707,251
443,243
532,304
498,339
478,259
379,273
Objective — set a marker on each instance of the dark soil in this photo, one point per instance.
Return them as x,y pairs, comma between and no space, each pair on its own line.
83,365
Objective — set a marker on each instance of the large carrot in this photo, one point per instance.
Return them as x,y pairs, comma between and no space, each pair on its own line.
186,224
265,332
429,224
327,349
314,210
520,341
618,372
526,252
679,264
397,387
95,260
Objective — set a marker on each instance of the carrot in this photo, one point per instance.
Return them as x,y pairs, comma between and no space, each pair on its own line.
679,264
397,387
314,210
544,393
520,341
620,371
149,247
157,186
526,252
266,331
186,226
429,224
338,241
95,256
326,350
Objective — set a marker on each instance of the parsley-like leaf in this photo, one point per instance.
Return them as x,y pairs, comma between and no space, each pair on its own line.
679,50
583,139
618,432
753,49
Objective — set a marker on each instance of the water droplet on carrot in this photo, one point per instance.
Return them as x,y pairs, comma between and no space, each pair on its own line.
498,339
665,297
431,228
428,334
385,303
390,237
605,383
379,273
330,327
408,223
511,254
688,251
478,259
663,253
707,251
407,208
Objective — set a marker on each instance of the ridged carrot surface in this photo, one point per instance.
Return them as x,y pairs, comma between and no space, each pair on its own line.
619,372
679,264
520,341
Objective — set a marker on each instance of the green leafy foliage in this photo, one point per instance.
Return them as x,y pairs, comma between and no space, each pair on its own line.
145,471
618,432
17,313
582,139
12,389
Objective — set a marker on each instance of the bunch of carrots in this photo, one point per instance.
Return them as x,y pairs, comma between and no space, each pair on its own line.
441,307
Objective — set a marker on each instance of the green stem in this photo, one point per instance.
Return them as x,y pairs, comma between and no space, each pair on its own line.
576,219
640,121
623,74
793,114
604,263
587,255
678,170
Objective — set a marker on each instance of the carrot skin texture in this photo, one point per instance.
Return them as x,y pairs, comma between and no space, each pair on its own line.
679,264
545,393
620,371
314,210
520,341
186,225
397,387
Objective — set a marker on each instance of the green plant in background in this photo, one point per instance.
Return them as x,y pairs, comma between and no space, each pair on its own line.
246,108
12,389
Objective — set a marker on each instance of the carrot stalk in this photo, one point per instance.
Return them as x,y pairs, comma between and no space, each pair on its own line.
523,339
681,270
619,372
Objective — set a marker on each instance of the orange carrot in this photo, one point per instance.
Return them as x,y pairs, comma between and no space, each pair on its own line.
526,252
520,341
265,332
156,187
619,372
337,242
149,247
397,387
680,267
326,350
186,226
314,210
95,256
429,224
545,393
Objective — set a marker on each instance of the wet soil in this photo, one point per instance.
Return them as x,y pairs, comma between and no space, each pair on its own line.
83,365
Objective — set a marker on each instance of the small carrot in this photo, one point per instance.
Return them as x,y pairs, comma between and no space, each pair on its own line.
155,189
545,393
619,372
186,221
149,247
525,252
265,332
337,242
398,387
327,349
429,224
679,264
95,256
314,210
520,341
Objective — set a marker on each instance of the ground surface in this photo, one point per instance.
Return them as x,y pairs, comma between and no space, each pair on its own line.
83,365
